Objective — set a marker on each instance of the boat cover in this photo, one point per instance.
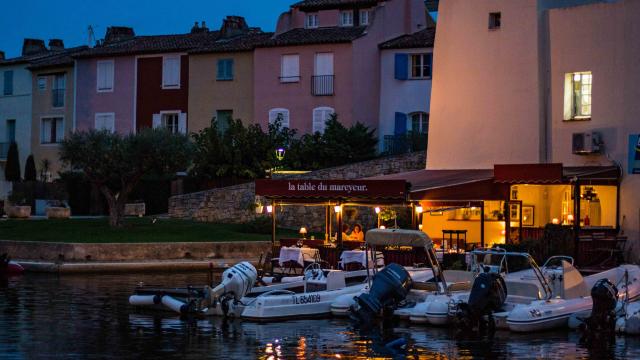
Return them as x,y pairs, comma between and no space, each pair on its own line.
398,237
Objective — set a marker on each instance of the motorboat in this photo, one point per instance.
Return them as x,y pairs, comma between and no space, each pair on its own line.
9,267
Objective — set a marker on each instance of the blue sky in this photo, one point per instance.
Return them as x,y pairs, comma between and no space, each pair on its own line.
69,19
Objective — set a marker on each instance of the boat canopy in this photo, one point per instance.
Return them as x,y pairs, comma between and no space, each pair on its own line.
398,237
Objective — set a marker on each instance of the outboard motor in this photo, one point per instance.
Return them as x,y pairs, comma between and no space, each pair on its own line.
602,322
236,282
487,296
390,286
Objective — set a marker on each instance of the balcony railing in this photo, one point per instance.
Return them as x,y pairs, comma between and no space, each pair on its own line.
57,96
322,85
401,144
4,150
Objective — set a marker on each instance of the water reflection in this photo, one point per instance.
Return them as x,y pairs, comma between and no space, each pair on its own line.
88,316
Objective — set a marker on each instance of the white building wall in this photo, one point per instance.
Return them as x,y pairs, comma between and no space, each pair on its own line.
405,96
16,107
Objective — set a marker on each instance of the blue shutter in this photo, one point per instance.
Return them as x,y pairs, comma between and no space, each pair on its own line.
220,74
429,60
8,82
401,124
402,66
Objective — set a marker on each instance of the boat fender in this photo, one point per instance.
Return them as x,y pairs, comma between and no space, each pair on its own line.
175,305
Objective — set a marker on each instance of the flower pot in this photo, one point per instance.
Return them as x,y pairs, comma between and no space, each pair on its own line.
18,212
55,212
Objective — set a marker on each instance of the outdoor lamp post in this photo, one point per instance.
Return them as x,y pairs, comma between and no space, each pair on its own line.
419,210
280,154
377,210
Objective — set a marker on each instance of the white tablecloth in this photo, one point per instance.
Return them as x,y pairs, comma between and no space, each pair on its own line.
299,255
359,256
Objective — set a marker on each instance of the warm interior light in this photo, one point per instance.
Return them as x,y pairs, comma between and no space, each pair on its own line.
382,227
303,230
503,232
419,226
555,221
377,209
337,208
419,209
570,217
269,208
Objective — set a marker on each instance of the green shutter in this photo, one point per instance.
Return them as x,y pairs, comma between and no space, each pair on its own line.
220,74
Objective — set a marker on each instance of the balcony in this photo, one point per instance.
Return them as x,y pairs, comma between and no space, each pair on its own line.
322,85
401,144
57,97
4,150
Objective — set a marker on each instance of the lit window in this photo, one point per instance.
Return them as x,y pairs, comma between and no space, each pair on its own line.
419,122
311,21
495,20
281,115
577,95
51,130
364,17
421,66
346,18
171,72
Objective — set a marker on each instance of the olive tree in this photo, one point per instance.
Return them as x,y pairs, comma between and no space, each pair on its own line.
115,163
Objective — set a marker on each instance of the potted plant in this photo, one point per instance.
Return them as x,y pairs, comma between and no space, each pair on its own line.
18,206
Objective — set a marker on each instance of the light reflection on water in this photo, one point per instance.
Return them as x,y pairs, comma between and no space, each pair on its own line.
45,316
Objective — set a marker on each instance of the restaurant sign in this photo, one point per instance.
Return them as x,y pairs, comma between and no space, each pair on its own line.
332,189
634,154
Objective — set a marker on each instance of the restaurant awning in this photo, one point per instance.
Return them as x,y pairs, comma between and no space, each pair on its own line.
304,190
554,174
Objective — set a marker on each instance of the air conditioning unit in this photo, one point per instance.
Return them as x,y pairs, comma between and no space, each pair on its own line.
587,143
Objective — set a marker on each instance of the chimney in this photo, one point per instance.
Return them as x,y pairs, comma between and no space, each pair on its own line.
56,44
195,28
233,25
33,46
118,33
204,27
1,55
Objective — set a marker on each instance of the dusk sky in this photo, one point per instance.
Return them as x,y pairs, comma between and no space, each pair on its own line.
69,19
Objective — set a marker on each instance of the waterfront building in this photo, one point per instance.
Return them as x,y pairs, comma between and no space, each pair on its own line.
324,59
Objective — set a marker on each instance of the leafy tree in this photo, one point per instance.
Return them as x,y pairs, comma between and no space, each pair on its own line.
30,169
12,167
115,163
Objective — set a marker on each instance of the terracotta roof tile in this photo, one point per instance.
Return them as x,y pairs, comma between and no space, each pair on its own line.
246,42
310,5
421,39
327,35
62,58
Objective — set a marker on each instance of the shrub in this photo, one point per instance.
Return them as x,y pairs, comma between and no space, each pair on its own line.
12,167
30,169
259,225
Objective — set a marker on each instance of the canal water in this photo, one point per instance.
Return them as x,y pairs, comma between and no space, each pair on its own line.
88,316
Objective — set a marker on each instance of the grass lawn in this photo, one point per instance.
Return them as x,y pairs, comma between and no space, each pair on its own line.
134,231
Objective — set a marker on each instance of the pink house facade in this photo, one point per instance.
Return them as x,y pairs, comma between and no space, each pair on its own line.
324,59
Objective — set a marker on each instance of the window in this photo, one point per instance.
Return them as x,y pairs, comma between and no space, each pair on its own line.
279,114
171,72
577,95
173,120
346,18
322,81
494,20
364,17
8,82
57,90
225,69
320,117
42,83
11,131
105,121
223,119
311,21
105,76
51,130
421,66
170,122
419,122
290,68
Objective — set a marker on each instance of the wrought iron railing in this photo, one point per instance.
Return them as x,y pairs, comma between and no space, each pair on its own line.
322,85
401,144
57,96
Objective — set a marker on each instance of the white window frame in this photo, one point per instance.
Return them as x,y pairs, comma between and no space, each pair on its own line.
571,111
166,70
365,15
273,114
54,87
294,76
110,79
316,126
311,21
59,135
422,59
346,18
42,83
167,113
112,115
423,116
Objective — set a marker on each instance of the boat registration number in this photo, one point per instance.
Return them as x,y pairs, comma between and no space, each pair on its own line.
306,299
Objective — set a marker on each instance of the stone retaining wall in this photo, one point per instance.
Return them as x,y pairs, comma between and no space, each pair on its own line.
46,251
235,204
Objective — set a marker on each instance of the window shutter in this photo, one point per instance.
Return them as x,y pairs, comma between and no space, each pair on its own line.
230,69
59,124
402,67
318,121
400,124
182,123
46,131
156,123
285,119
8,82
220,73
429,60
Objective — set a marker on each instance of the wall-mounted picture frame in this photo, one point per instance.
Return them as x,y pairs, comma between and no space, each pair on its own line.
528,215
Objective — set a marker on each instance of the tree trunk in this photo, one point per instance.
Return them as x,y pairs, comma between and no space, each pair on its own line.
115,214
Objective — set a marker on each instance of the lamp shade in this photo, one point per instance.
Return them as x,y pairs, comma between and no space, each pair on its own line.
419,209
337,208
303,230
269,208
377,210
